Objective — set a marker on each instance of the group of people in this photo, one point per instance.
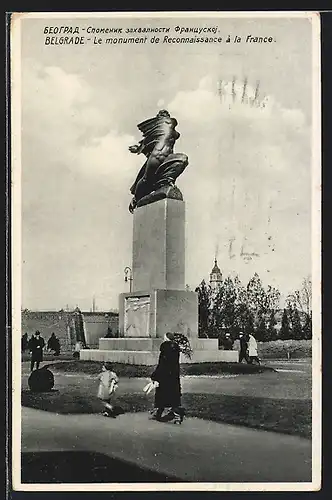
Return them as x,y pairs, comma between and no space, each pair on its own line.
165,380
247,346
36,345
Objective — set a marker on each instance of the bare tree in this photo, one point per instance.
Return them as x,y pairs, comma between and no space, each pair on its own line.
302,299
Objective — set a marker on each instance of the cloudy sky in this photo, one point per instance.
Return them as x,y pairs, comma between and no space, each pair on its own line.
249,177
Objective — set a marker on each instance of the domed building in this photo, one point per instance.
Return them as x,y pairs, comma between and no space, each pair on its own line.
215,277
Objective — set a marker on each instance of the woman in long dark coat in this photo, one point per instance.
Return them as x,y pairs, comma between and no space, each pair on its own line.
167,374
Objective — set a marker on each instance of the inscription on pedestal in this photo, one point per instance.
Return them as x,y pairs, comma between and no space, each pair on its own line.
137,316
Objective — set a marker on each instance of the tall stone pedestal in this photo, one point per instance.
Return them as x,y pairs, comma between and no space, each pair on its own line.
159,302
159,246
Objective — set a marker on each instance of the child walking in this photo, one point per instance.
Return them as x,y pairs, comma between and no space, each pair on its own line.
107,386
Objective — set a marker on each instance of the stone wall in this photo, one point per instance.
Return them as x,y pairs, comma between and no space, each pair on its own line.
48,322
96,325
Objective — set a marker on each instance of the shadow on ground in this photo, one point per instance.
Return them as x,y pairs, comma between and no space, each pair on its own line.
84,467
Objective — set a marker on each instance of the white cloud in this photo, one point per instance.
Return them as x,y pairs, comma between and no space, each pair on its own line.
249,172
108,156
59,115
78,172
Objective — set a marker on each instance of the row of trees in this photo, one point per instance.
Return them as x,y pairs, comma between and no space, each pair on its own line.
234,307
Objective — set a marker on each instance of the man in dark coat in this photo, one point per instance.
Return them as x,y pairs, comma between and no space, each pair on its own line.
36,345
243,348
167,374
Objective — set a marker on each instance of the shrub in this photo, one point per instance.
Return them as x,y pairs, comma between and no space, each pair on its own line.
285,349
41,380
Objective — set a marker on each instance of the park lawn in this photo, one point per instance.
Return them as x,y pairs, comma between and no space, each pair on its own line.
49,356
125,370
285,415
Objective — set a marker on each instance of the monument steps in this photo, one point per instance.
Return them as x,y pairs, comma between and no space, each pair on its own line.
150,358
146,358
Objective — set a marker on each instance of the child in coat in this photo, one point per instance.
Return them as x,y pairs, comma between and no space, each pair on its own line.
108,383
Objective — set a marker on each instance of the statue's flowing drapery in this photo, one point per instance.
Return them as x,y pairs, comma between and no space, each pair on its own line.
156,178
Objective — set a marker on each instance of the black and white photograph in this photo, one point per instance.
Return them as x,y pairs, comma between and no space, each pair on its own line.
166,191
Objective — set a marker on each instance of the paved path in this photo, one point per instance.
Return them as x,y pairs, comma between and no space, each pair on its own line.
198,450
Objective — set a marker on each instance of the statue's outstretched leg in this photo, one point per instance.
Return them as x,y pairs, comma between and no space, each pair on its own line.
170,169
143,188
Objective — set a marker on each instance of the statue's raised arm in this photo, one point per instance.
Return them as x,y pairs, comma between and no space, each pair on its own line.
156,178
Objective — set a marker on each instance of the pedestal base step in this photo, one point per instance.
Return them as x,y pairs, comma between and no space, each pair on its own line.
151,344
146,358
150,358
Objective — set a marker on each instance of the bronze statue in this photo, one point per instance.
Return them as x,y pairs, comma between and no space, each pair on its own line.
156,179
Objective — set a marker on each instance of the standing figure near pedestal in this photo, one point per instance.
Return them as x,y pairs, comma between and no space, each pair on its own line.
156,178
243,348
167,374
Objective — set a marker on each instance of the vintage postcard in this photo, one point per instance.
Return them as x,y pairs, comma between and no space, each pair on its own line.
165,220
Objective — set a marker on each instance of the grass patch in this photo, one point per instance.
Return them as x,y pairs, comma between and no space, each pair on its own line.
134,371
278,415
48,356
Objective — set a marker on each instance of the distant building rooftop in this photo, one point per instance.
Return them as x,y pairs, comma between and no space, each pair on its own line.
215,269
